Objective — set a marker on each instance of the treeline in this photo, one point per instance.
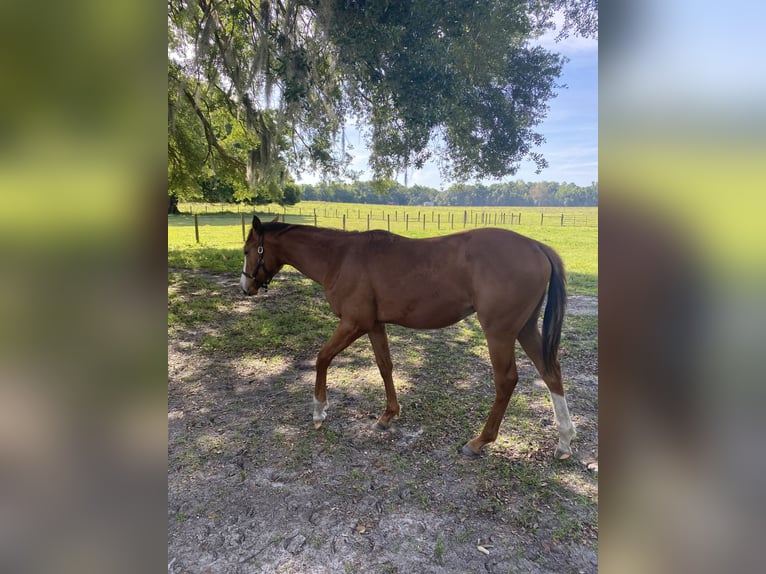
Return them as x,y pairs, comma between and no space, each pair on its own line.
544,193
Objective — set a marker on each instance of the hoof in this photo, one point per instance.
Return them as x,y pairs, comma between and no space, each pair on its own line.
379,426
469,452
319,419
562,454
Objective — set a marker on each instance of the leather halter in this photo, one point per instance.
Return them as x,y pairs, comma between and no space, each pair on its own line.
260,265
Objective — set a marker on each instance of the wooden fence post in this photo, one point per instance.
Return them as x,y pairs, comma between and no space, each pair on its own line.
541,217
344,222
243,226
406,221
196,227
562,220
388,218
368,222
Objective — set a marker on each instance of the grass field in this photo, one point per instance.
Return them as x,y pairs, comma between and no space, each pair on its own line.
220,233
248,470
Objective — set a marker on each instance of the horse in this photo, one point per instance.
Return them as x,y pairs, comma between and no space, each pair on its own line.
374,278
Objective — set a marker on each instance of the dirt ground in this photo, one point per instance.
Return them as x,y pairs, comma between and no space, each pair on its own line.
253,487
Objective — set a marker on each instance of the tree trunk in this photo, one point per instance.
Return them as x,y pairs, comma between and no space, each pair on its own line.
173,204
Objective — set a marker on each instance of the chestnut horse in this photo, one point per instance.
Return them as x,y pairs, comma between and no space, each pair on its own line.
375,277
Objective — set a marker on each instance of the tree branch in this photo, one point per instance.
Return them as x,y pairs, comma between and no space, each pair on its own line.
212,141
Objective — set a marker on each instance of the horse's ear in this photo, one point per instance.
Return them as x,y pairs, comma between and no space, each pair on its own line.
257,225
276,219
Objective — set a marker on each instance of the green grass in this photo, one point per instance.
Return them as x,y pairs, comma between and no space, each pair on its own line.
203,310
443,379
439,549
220,246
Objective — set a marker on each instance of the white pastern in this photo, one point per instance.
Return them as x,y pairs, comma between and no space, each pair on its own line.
242,278
561,413
320,413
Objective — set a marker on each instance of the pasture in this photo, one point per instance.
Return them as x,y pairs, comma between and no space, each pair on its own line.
221,236
253,487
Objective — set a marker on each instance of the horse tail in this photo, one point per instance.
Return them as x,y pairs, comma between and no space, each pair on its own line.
553,317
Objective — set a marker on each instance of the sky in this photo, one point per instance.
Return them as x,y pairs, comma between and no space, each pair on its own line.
687,58
570,129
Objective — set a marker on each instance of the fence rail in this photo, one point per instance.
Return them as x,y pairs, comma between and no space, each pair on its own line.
404,220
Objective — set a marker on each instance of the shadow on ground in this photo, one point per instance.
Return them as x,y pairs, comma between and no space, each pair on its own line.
252,487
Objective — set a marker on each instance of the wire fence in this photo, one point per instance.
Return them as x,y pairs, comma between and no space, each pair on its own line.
398,219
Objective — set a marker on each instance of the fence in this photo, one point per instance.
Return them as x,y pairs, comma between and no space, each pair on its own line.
412,220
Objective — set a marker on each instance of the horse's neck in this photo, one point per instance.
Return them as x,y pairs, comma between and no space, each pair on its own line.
310,251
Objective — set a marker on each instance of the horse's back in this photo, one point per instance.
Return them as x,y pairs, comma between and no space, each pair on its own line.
434,282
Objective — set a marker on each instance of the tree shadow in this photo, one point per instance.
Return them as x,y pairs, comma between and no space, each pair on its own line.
242,446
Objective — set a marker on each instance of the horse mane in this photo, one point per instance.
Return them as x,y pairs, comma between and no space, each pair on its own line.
278,226
281,228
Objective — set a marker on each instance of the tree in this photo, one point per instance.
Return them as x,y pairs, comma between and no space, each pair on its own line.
448,77
291,194
542,192
580,17
207,145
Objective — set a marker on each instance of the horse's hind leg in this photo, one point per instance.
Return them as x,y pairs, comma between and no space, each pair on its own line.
501,353
532,342
379,341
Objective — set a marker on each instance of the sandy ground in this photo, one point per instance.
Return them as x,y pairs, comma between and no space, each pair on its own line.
252,487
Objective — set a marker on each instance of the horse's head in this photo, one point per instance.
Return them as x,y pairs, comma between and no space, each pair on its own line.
261,263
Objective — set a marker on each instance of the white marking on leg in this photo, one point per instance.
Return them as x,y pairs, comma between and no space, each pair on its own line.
320,412
242,278
566,429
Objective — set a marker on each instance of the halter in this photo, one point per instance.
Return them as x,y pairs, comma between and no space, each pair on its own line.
260,265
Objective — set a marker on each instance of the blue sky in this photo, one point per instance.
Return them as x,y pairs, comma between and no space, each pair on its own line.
685,59
570,129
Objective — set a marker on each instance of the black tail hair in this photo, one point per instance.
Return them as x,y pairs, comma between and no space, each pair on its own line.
553,318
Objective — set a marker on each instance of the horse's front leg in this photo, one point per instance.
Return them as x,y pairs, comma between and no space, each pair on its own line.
344,335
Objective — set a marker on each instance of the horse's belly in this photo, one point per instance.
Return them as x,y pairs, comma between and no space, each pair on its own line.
427,314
